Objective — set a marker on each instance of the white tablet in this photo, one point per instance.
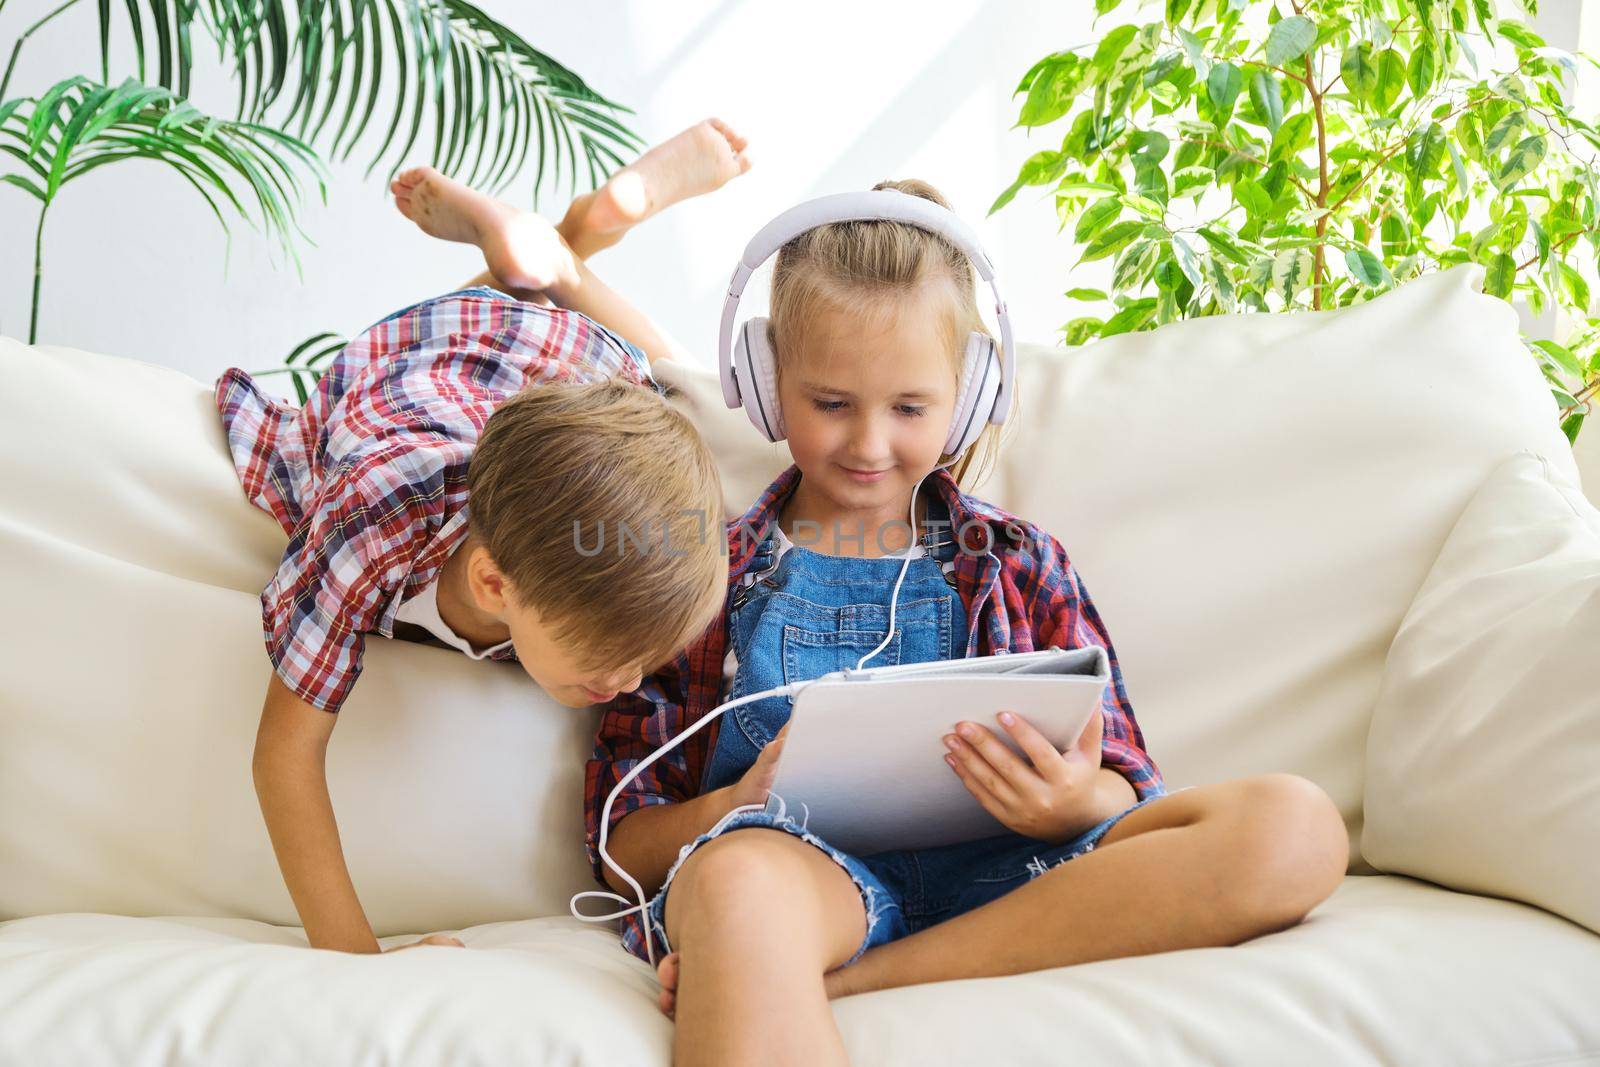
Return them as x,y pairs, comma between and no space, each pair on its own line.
863,762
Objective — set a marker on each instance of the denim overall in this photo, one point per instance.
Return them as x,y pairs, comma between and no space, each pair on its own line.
812,614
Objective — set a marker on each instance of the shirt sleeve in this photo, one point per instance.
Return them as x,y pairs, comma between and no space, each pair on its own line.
346,558
1065,617
632,727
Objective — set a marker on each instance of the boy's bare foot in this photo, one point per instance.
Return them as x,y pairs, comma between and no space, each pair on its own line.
523,251
699,160
667,975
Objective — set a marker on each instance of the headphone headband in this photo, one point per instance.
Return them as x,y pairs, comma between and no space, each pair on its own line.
878,205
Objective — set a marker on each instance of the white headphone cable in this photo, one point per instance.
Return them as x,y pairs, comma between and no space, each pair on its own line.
894,597
642,905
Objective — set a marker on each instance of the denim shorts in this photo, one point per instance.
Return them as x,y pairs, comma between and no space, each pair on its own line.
905,891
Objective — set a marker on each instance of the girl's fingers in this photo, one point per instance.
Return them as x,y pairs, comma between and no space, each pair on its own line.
979,791
1018,774
974,762
1046,759
1088,744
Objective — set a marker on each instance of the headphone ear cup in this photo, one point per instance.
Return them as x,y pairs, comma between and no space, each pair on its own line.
757,372
975,398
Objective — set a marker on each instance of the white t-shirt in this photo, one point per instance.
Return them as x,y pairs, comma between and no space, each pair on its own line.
423,610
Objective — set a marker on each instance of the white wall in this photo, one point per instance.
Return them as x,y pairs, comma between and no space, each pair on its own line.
833,95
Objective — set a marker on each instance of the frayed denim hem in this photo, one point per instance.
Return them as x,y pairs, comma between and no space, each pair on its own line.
875,900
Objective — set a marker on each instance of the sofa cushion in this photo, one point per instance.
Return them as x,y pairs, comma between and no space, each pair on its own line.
1481,766
1386,971
1253,501
132,683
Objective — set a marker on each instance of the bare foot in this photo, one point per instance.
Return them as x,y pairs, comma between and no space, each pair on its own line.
523,251
667,975
699,160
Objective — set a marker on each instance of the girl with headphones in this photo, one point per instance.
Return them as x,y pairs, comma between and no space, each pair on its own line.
876,368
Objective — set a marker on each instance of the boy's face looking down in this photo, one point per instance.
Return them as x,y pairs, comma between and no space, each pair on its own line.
477,601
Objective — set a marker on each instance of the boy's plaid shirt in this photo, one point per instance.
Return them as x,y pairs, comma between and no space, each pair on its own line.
1021,595
369,479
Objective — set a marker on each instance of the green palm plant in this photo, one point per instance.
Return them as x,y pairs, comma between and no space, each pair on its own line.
312,78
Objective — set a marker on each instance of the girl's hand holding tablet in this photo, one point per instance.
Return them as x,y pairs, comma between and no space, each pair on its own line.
1050,796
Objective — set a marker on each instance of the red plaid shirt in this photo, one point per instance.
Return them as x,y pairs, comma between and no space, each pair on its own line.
1022,595
369,479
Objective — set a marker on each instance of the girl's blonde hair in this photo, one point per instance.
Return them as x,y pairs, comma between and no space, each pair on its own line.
857,266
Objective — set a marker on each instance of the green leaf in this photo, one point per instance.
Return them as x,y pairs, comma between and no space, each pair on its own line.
1577,289
1096,217
1224,85
1195,49
1221,283
1425,151
1225,245
1527,155
1293,137
1033,71
1562,357
1267,95
1572,424
1188,259
1391,80
1291,272
1039,169
1500,275
1290,39
1367,268
1459,169
1420,72
1111,47
1360,70
1133,264
1085,294
1502,131
1053,91
1148,147
1162,68
1080,330
1253,198
1112,240
1130,318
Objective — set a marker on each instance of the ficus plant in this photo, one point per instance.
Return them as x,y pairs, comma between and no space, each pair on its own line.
314,79
1270,155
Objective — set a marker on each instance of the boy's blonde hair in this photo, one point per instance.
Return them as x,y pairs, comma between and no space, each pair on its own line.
603,506
856,266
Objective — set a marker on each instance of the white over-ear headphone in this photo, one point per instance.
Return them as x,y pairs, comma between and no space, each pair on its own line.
745,359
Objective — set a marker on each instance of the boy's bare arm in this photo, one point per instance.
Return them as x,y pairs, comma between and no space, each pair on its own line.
291,782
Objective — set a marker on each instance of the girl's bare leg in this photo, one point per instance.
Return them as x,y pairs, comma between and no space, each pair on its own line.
758,916
1213,865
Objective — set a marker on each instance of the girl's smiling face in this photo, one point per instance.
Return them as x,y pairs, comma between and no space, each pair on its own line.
867,400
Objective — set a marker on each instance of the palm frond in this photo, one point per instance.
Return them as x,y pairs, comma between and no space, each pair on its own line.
241,169
475,86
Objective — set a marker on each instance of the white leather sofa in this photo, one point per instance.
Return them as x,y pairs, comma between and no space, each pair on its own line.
1348,545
